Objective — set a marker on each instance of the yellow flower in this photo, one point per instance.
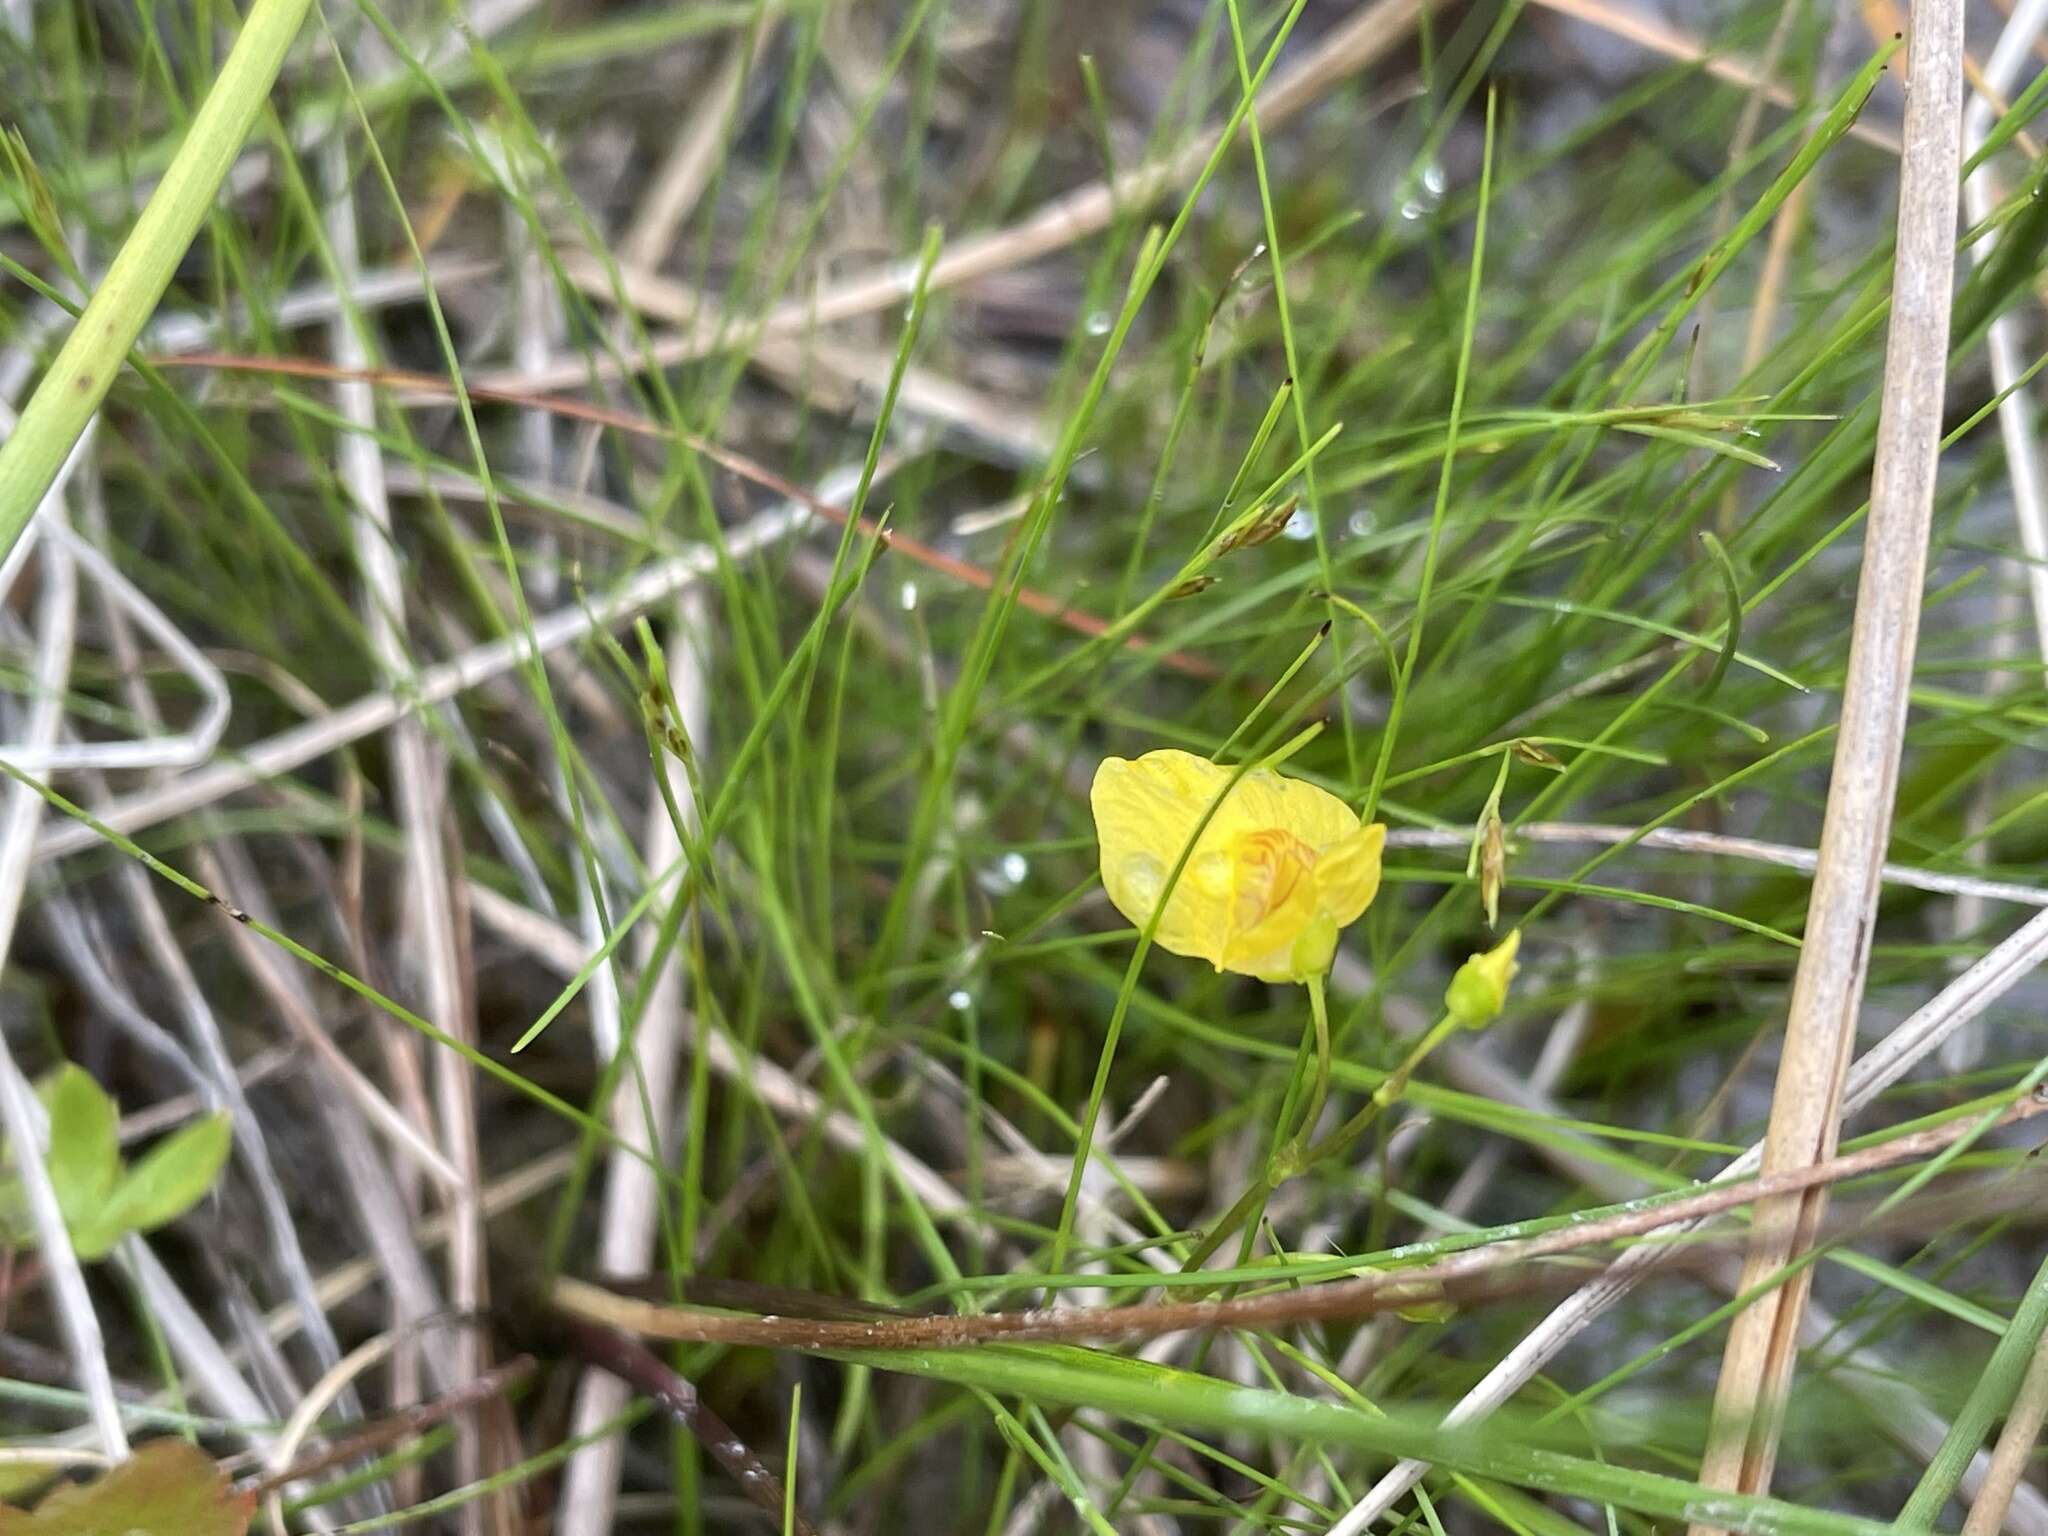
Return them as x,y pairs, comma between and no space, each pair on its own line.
1479,991
1281,867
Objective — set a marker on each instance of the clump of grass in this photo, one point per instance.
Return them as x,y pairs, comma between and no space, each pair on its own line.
677,505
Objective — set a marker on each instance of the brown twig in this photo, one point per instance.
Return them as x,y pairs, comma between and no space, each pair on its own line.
401,1424
1378,1291
965,572
610,1350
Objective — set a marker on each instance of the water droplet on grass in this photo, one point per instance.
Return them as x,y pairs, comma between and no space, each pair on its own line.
1005,875
1427,193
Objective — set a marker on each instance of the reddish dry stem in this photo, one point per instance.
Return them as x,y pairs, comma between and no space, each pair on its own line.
610,1350
403,1423
1379,1291
923,554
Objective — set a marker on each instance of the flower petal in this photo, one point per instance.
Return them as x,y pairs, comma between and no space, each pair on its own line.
1273,899
1266,799
1145,812
1348,873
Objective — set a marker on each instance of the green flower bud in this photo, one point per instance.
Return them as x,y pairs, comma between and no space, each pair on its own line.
1479,991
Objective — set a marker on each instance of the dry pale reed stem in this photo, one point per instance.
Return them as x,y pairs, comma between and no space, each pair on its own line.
675,187
20,1115
336,1382
2006,342
1827,988
208,1367
430,947
289,1000
443,680
2005,349
642,1103
382,1206
665,206
201,1026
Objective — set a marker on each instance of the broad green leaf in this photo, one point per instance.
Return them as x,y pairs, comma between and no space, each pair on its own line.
167,1488
168,1180
94,1236
85,1151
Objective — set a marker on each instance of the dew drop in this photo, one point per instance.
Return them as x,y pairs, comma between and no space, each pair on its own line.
1359,523
1098,323
1300,526
907,596
1426,193
959,999
1005,875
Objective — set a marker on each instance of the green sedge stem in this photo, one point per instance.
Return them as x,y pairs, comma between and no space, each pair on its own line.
1396,1083
1319,1090
1288,748
1294,1158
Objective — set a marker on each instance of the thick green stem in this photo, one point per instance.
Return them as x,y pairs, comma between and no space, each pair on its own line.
1319,1010
77,381
1319,1089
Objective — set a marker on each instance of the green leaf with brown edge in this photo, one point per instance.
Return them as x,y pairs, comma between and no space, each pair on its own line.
172,1177
167,1488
